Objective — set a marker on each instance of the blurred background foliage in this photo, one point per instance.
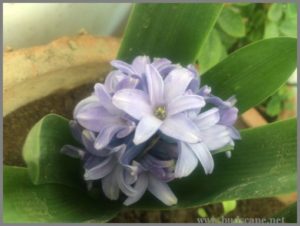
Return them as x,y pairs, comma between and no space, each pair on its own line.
240,24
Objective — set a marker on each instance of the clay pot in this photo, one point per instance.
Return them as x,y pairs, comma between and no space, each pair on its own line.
49,79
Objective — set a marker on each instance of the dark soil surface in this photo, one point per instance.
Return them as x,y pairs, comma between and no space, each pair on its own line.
18,124
256,208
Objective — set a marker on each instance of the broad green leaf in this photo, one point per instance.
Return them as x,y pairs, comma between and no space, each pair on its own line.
211,52
232,23
288,215
273,107
275,12
253,72
41,152
291,10
288,27
263,164
174,31
271,30
227,40
28,203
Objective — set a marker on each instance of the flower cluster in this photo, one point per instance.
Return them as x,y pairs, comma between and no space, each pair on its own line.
149,123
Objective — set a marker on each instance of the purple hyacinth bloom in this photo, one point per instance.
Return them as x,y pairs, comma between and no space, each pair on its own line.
161,108
148,124
97,113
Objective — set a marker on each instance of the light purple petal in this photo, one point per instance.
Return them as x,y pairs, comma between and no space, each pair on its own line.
127,83
112,80
187,161
91,101
139,64
155,85
159,63
164,66
161,191
105,136
176,83
105,98
157,163
146,128
207,119
126,130
204,91
92,118
123,67
110,186
140,187
88,139
216,137
181,128
133,102
184,103
229,116
234,133
76,130
101,170
204,156
125,188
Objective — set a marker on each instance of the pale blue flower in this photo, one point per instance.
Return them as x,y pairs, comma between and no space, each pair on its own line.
148,124
162,106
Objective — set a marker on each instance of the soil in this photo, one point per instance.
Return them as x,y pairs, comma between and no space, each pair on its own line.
18,124
256,208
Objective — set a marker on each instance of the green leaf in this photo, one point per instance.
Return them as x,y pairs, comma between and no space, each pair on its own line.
41,152
274,106
289,214
263,164
288,27
174,31
227,40
242,3
201,212
275,12
211,52
253,72
291,10
228,206
28,203
232,23
271,30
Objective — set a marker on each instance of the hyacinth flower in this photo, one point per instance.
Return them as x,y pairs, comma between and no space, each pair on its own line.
148,124
161,107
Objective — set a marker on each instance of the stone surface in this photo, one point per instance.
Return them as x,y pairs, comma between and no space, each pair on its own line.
66,63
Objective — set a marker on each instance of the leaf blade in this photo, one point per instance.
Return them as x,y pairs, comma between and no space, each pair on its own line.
28,203
148,22
263,164
41,152
257,76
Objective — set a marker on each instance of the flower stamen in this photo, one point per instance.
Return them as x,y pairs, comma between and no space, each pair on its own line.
160,112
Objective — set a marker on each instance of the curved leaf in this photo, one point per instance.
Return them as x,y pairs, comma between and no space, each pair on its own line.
174,31
263,164
41,153
28,203
254,72
275,12
212,52
232,23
